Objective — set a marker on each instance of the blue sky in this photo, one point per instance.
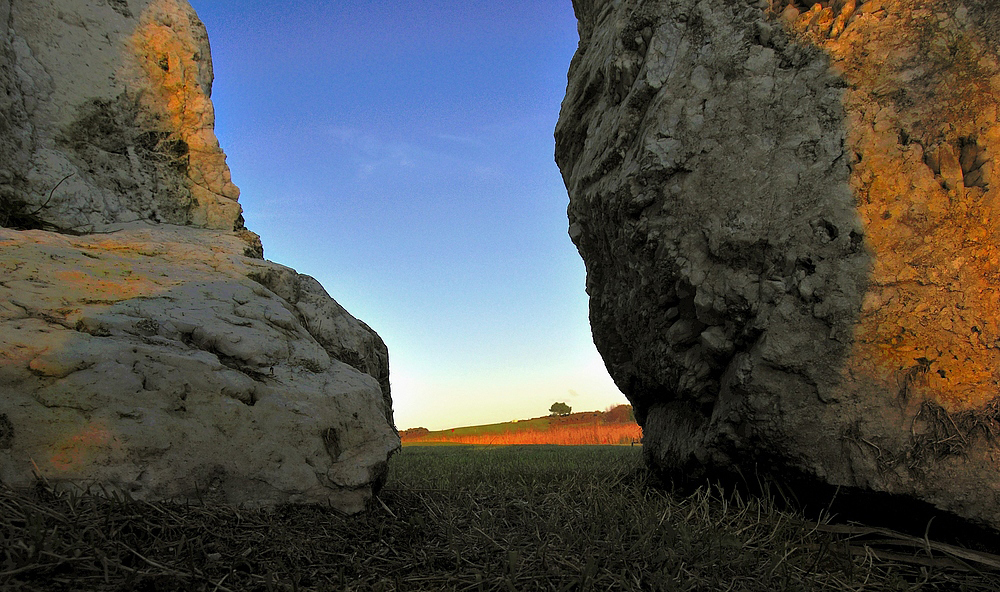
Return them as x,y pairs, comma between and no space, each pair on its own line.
401,153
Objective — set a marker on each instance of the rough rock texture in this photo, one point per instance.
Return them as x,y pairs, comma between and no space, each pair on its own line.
789,220
145,344
160,360
107,105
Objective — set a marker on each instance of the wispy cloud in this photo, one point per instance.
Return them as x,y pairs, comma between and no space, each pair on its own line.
372,154
461,140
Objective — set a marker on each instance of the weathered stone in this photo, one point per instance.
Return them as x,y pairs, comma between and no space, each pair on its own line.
113,123
153,359
811,189
147,346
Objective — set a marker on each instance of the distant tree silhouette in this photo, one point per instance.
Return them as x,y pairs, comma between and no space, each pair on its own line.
558,408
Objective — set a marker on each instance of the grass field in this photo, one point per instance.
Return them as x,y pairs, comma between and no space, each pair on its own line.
577,429
572,435
466,519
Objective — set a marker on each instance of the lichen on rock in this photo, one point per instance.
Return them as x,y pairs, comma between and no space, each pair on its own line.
134,156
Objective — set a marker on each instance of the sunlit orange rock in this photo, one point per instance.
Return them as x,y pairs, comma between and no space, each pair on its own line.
788,213
178,73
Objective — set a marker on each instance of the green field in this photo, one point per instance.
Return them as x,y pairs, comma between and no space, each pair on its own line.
466,519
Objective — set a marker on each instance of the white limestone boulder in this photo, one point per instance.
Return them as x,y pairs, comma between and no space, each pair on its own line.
145,345
154,360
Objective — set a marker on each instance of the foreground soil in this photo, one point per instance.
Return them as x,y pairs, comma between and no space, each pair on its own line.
470,518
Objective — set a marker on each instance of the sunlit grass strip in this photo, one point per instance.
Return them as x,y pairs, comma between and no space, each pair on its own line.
580,435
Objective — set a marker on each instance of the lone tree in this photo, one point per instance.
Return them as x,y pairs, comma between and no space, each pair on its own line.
560,409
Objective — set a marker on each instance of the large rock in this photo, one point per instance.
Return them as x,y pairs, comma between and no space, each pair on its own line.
789,221
161,361
107,104
145,345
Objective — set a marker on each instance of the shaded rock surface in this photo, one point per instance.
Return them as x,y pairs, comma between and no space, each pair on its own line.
145,345
788,217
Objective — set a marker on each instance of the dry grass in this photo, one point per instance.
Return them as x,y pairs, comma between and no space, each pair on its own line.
463,518
20,215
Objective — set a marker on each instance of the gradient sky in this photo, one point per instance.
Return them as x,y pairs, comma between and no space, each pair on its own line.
401,153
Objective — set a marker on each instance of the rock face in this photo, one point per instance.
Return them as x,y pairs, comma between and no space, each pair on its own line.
145,345
107,105
789,219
